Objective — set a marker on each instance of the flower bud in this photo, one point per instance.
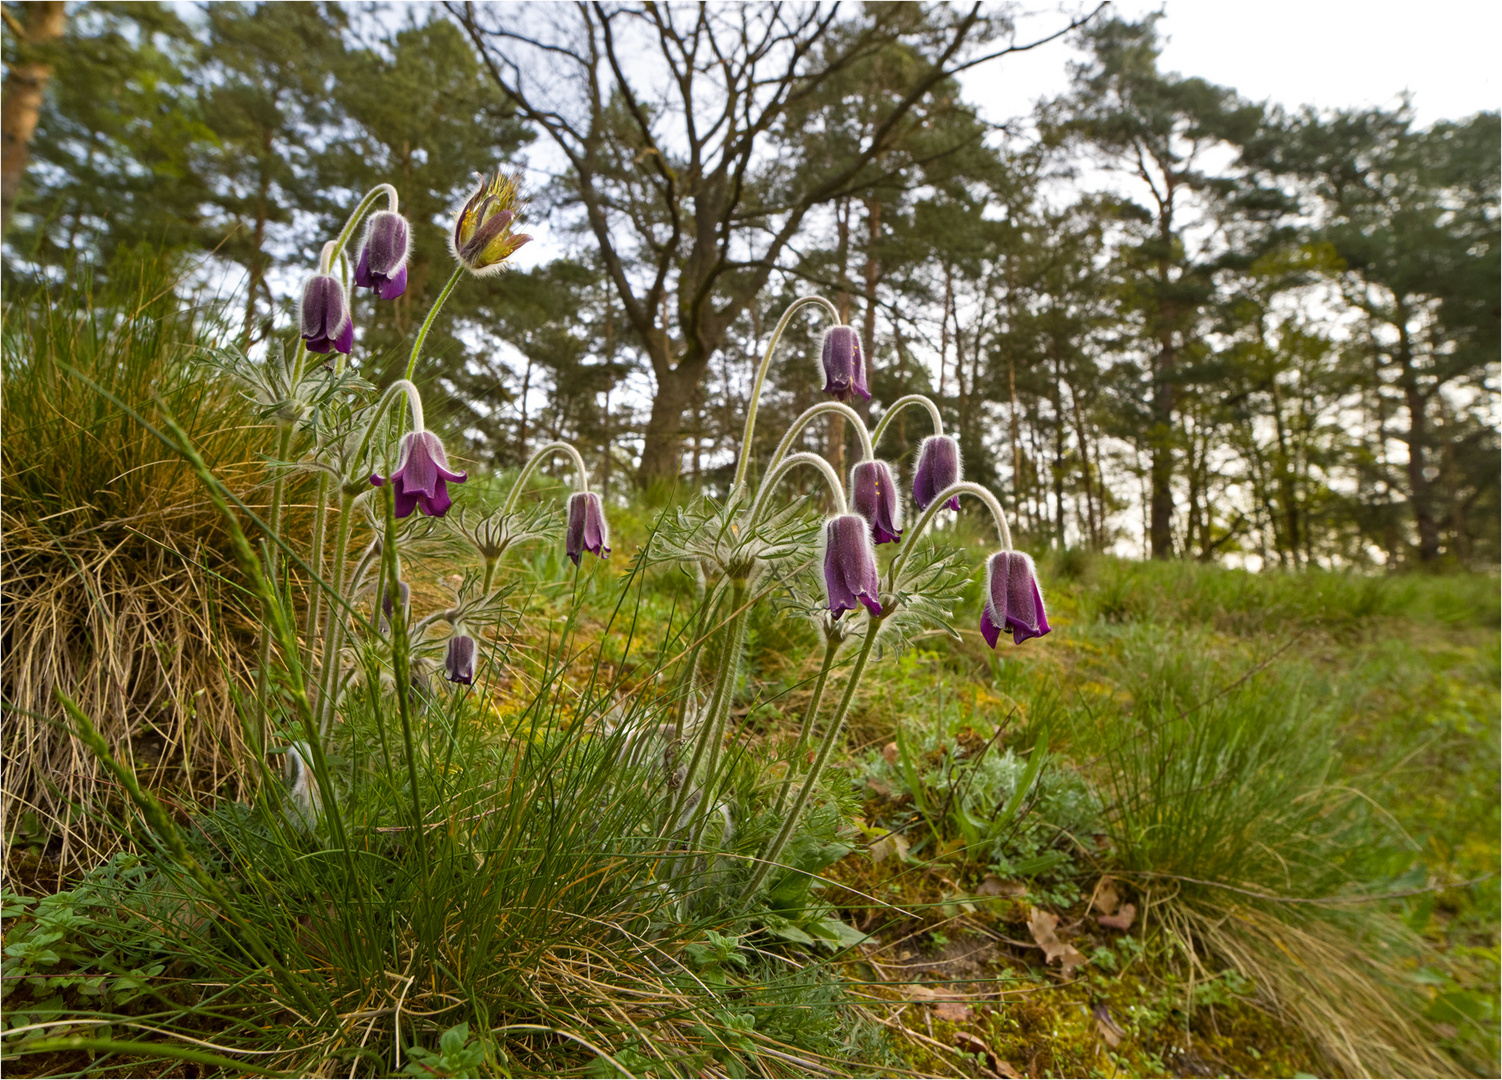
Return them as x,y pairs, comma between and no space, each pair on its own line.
383,255
874,497
405,592
1013,600
586,527
850,565
459,660
938,468
483,237
326,325
422,476
844,369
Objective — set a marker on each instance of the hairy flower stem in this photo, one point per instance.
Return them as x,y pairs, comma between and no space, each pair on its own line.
964,487
719,714
830,649
315,584
542,454
724,679
836,725
427,323
812,413
278,490
690,678
903,403
744,460
401,657
333,631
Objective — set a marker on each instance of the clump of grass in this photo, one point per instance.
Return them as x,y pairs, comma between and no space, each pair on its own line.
112,557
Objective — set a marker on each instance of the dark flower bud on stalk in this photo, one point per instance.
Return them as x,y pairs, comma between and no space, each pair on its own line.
1013,600
850,575
383,255
938,468
422,476
874,497
483,238
405,592
459,660
326,325
586,527
844,368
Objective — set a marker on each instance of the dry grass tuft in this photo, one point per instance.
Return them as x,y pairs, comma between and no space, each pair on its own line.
113,562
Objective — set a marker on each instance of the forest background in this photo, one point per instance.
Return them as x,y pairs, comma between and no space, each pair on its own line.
1168,319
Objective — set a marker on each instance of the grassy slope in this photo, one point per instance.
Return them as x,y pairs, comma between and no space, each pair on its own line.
1387,688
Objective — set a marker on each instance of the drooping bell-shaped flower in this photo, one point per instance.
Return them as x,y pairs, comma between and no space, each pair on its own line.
874,497
1013,600
850,575
587,530
383,255
483,238
422,476
938,468
459,660
326,325
844,367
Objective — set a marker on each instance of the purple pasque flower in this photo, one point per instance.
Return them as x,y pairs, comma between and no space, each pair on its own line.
422,476
459,660
383,255
844,368
874,497
587,530
326,325
1013,600
850,565
938,468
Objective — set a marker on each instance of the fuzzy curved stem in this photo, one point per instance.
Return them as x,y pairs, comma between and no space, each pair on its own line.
787,465
830,648
836,725
902,403
537,459
964,487
428,322
744,460
359,213
414,404
809,415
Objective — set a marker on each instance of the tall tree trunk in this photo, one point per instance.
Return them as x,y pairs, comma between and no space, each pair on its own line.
25,83
662,444
1420,491
1093,537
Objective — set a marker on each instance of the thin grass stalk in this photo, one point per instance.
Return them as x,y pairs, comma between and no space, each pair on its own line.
315,593
263,671
836,724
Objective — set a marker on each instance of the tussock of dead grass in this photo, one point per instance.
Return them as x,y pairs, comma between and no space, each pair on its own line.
112,560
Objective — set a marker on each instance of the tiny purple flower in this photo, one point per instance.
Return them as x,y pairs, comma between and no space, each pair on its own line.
586,527
850,565
459,660
1013,600
938,468
383,255
844,369
422,476
874,497
326,325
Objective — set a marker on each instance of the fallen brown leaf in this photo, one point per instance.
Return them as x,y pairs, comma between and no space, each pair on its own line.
1106,1027
888,846
994,886
889,752
967,1042
954,1011
878,787
1122,920
1043,925
1106,898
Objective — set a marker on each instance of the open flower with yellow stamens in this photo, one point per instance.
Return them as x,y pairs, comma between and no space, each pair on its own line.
483,236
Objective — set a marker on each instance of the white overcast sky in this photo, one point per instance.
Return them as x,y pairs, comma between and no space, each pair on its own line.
1327,53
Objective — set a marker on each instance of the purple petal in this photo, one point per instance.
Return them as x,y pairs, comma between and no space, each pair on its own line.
392,287
362,271
988,629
